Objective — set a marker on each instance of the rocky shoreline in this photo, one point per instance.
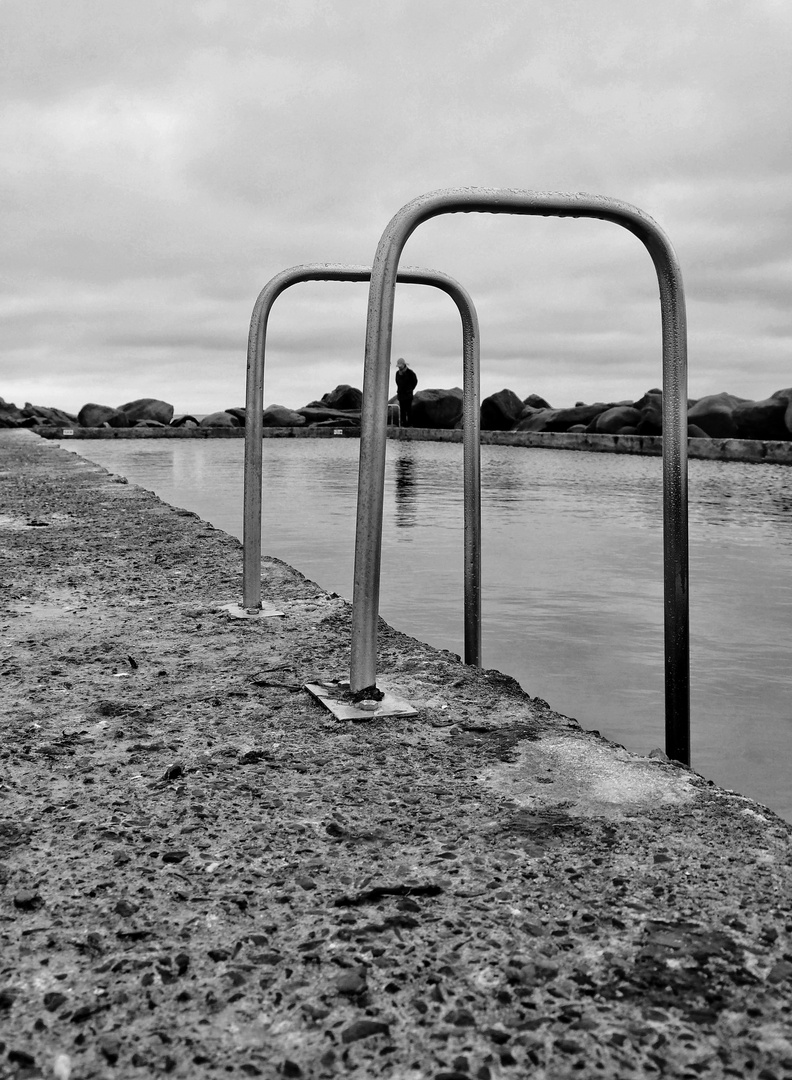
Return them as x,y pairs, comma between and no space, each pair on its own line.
715,416
202,873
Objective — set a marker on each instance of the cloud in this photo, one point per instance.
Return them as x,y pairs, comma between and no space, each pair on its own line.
163,161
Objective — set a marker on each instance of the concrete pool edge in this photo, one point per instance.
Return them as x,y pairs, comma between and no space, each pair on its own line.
749,450
497,776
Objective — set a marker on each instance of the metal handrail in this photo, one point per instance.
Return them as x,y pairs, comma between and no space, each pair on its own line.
251,535
368,539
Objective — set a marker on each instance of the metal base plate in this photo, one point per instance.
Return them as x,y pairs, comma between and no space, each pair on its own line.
266,611
335,697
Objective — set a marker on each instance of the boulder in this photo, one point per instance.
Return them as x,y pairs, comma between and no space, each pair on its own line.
92,415
149,424
437,408
148,408
10,415
615,421
184,420
320,415
41,414
345,398
696,432
563,419
714,414
761,419
220,419
536,402
239,414
280,416
650,406
501,411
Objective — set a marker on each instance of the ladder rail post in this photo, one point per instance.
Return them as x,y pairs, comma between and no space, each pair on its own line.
379,330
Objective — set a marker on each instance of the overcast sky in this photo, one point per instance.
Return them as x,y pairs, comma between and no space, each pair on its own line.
163,159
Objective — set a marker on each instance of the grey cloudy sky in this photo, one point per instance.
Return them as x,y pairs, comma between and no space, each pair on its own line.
162,160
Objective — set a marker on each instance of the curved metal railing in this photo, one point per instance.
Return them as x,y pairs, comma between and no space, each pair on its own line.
251,568
368,541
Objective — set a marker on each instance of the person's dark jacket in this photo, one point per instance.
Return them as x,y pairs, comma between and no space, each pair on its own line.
406,382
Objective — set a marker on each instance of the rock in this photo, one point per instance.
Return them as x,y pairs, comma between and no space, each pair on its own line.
437,408
239,414
53,1000
616,420
714,414
362,1029
184,420
460,1018
280,416
109,1047
344,397
563,419
149,424
762,419
28,900
696,432
220,419
351,983
93,416
43,415
650,406
501,411
148,409
781,395
533,401
10,415
314,415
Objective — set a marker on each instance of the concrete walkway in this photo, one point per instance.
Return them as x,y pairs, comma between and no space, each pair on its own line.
204,874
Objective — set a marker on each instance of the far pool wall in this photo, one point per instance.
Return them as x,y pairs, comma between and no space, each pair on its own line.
775,453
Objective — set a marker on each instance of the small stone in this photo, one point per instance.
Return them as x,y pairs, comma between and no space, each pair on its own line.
460,1018
53,1000
125,908
316,1012
121,858
21,1058
62,1067
568,1046
175,856
351,983
497,1035
83,1013
305,882
291,1068
780,971
7,997
28,900
362,1029
218,954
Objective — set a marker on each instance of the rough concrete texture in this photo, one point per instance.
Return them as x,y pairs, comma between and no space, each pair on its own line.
204,874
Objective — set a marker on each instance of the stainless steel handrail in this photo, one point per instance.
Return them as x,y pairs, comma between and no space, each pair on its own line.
251,565
368,541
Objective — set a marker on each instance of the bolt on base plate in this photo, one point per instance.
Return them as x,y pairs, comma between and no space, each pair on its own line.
335,696
236,611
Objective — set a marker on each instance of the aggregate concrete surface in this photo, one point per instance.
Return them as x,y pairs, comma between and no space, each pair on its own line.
204,874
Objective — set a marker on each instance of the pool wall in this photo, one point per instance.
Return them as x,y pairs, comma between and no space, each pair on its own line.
752,450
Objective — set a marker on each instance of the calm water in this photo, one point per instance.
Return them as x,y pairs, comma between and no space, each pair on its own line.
572,574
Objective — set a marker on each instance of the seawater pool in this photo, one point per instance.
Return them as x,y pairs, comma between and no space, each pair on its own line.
571,569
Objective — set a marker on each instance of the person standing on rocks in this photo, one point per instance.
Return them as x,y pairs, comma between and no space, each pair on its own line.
406,382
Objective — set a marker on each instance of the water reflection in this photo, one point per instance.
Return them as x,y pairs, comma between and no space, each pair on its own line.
406,491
